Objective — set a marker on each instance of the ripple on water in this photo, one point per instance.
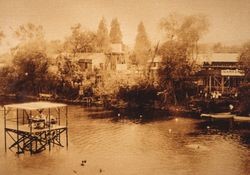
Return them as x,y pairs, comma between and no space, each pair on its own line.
125,147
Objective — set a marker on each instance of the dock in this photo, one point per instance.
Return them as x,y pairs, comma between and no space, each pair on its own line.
35,126
231,119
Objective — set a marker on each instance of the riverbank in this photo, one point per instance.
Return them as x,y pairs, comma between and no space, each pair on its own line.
144,114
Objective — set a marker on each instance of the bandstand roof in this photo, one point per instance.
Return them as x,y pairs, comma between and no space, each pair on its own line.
35,105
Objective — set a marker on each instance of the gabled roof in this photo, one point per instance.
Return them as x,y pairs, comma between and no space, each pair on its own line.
35,105
218,57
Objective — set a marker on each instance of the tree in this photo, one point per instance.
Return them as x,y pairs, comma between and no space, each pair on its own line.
31,65
115,32
29,34
54,47
102,37
28,72
69,76
187,29
244,103
80,40
141,96
142,45
29,31
175,69
178,50
244,58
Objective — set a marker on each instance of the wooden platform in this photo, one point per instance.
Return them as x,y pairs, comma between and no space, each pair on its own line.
222,116
31,126
228,120
26,138
242,119
26,129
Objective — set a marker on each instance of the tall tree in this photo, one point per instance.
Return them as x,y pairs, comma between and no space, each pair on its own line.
182,36
102,37
244,58
31,65
185,29
30,61
80,40
115,32
142,45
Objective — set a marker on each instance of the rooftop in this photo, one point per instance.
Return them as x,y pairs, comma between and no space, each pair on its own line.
218,57
35,105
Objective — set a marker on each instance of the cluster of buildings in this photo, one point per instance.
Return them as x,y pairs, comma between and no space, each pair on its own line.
219,72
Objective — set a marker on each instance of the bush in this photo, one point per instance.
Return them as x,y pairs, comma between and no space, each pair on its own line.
244,96
141,95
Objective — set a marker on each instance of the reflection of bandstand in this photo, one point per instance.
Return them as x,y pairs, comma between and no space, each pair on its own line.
29,131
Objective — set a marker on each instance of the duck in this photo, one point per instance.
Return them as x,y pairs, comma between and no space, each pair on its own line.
83,162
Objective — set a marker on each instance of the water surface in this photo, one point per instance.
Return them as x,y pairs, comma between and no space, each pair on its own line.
176,146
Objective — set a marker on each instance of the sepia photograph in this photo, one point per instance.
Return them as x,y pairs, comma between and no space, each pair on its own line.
124,87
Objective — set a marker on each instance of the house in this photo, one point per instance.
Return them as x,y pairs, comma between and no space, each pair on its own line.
116,58
153,67
221,72
91,61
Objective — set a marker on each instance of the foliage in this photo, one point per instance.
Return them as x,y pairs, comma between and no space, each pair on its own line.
182,36
54,47
69,77
142,45
244,96
115,32
31,64
175,69
141,95
111,82
80,40
29,72
102,37
68,69
187,30
7,76
244,59
29,31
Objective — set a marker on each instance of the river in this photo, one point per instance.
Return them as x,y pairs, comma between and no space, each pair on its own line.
172,146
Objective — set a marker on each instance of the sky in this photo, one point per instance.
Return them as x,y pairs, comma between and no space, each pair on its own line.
229,19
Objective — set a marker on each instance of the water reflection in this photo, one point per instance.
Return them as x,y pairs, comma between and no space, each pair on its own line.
121,145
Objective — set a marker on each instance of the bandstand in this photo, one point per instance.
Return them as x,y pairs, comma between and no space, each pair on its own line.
35,126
